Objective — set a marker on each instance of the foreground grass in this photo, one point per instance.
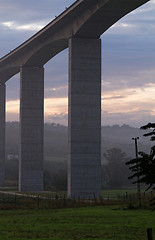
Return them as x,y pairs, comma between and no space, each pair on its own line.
106,222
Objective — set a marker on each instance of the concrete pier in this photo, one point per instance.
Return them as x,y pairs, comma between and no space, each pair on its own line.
2,134
84,166
31,129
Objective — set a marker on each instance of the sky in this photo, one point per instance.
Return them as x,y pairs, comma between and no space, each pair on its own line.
128,62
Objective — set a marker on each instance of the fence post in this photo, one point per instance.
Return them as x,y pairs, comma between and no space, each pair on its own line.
15,200
38,201
149,234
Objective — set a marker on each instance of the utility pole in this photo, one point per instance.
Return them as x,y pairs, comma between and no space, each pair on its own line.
138,183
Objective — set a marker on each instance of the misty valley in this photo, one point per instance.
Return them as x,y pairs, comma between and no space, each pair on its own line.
117,148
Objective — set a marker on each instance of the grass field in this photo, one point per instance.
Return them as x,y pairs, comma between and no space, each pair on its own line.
107,222
116,193
125,192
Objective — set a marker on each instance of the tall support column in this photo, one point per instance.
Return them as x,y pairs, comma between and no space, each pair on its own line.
2,134
31,129
84,167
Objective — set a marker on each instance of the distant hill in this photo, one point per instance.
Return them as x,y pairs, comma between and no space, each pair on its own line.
56,140
121,137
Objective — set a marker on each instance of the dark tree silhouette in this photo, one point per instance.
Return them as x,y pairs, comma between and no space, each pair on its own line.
143,167
115,171
152,133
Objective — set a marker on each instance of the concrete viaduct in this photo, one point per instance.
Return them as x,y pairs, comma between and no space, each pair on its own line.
79,27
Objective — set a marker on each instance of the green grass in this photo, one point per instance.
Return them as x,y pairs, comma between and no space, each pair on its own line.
116,193
76,223
121,192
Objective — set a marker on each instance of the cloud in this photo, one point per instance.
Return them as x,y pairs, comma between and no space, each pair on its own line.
28,27
113,97
118,81
12,110
128,74
19,20
55,107
27,11
61,118
135,106
138,21
13,88
135,119
57,116
57,92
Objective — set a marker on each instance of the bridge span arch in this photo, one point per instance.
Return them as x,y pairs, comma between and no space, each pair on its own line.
79,28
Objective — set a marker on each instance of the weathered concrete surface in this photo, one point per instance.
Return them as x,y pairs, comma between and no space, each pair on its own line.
83,19
2,134
31,129
84,167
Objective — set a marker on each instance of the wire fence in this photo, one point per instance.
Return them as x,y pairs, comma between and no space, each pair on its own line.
50,200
